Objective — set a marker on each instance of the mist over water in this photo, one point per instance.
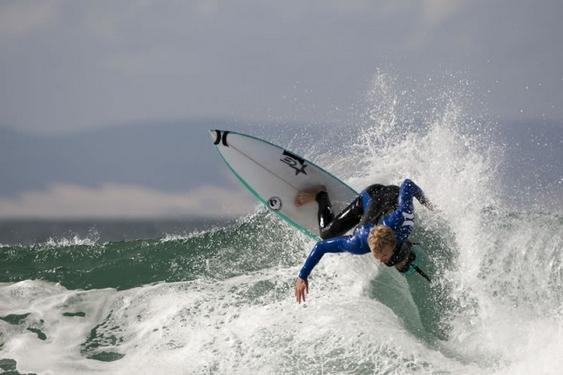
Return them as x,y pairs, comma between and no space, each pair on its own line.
221,300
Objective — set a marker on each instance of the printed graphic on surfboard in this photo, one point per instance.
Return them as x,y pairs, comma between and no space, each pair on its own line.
275,175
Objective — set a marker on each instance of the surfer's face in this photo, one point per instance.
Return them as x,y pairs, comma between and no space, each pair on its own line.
381,242
385,254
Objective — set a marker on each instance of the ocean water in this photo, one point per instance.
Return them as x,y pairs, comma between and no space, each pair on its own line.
218,299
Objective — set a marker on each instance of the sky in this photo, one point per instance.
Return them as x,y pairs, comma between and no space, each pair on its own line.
73,66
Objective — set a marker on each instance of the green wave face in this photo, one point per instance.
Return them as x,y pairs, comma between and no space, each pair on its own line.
250,244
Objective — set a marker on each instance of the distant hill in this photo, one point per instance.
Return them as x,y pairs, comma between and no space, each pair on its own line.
164,156
178,156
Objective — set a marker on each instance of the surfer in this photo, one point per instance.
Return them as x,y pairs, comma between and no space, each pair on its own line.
383,219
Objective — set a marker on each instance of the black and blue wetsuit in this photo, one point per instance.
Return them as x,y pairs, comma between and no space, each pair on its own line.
388,205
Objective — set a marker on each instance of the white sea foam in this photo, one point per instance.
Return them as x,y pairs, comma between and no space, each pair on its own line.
199,327
72,241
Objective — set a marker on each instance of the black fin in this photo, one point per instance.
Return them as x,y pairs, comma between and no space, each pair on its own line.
422,273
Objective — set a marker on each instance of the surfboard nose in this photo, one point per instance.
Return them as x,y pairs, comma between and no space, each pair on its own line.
219,137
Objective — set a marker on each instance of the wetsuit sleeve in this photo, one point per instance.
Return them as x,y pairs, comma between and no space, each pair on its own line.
407,192
332,245
401,220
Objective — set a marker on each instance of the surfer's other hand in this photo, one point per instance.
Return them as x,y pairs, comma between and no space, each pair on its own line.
429,205
301,288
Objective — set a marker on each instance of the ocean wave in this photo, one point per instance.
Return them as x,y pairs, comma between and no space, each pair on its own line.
221,300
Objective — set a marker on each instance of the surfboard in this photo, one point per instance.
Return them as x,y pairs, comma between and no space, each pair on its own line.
274,176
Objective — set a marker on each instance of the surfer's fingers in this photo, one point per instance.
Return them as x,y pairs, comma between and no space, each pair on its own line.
300,296
429,205
298,291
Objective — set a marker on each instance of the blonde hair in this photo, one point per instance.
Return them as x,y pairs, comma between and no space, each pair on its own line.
379,238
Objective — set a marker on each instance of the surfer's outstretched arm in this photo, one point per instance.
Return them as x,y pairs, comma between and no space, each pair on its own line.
339,244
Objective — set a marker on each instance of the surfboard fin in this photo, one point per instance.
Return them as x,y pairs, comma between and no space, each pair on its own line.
421,273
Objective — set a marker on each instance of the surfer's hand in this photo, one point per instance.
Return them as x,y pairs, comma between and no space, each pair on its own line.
301,288
429,205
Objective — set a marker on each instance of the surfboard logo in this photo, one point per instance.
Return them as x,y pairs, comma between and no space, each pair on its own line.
221,136
275,203
294,161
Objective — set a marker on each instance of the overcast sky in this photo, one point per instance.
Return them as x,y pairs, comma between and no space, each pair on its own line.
67,66
74,64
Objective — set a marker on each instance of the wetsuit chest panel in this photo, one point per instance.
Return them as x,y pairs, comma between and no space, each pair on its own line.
378,200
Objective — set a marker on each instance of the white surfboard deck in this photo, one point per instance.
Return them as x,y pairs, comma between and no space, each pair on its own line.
274,176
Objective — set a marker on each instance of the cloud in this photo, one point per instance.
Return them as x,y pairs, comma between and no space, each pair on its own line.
125,201
437,11
431,11
22,17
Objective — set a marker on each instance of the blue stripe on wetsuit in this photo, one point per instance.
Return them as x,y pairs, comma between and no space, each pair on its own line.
400,220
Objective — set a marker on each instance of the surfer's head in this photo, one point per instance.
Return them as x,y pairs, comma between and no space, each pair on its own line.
381,242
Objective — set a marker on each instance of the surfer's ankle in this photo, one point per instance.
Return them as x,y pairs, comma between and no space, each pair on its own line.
321,196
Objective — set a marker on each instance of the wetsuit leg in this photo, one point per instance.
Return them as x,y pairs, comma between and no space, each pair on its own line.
330,226
325,214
